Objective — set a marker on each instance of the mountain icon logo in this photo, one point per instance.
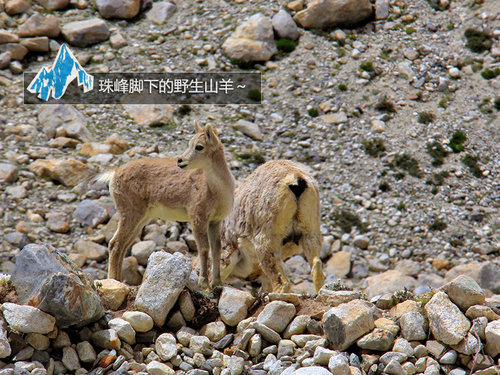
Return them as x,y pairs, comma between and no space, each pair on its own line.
54,81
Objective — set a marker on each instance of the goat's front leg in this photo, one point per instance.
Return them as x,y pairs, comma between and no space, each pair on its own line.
215,250
200,231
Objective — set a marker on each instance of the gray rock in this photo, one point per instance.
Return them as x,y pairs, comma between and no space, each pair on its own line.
106,339
267,333
158,368
151,115
91,250
86,352
492,333
312,370
224,342
413,326
394,368
47,279
38,341
347,322
378,339
297,326
285,348
361,241
277,315
38,25
85,33
322,356
5,59
215,331
486,274
8,172
54,4
5,349
142,251
166,346
188,309
161,12
403,346
70,359
284,26
199,344
233,305
464,292
252,41
446,321
124,9
390,356
339,365
61,340
249,128
16,239
13,7
388,282
90,213
27,319
381,9
164,279
123,329
331,13
64,120
449,358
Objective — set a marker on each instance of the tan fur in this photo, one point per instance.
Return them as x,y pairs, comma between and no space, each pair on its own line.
198,187
265,214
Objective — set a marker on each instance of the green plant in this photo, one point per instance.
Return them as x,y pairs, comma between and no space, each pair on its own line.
384,186
490,74
437,179
426,117
242,64
450,26
478,41
184,110
410,30
367,66
496,103
374,147
437,153
255,95
251,156
407,163
385,105
401,206
342,87
385,53
485,106
438,225
403,295
313,112
457,141
286,45
346,220
471,162
336,286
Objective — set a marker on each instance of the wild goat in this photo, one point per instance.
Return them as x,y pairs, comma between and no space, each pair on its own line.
276,214
198,187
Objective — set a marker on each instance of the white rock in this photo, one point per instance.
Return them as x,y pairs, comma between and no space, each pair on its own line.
233,305
285,26
27,319
338,365
140,321
277,315
158,368
123,329
492,333
166,346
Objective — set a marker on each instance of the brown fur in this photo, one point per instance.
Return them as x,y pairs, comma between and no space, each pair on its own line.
198,187
269,223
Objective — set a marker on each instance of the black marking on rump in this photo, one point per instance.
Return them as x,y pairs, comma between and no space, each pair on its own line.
298,188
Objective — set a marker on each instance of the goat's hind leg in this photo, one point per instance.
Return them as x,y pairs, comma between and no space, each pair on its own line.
312,247
128,229
268,250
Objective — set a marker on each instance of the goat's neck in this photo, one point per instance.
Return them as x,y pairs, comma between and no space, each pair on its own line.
219,177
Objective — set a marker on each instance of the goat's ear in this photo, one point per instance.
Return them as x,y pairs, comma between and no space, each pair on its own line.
197,127
210,133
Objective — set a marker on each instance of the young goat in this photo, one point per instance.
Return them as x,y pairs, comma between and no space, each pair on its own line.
276,214
198,187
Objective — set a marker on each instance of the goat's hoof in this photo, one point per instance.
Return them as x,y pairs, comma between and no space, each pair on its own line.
203,283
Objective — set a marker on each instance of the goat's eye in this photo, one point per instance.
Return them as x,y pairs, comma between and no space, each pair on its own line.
198,148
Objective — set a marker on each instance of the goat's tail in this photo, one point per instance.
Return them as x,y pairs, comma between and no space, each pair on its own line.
105,177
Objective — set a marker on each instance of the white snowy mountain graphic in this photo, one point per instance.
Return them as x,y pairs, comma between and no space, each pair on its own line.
54,81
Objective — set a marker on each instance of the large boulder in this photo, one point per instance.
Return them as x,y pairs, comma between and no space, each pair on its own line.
164,279
45,278
38,25
465,292
331,13
85,33
252,41
68,172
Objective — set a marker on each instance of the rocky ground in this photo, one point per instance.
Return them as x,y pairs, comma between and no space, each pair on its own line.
397,118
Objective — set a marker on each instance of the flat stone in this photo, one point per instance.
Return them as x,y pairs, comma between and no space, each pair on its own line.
8,172
277,315
297,326
388,282
250,129
161,11
464,292
267,333
17,51
151,115
85,33
8,37
70,359
68,172
215,331
64,120
339,264
53,4
37,44
378,340
27,319
158,368
38,25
